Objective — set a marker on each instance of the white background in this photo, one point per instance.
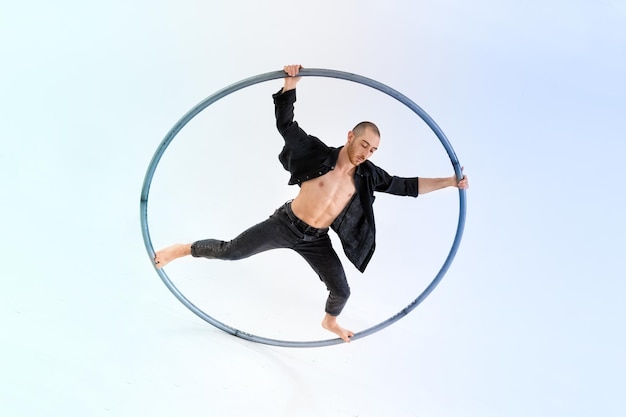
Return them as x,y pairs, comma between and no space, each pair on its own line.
529,319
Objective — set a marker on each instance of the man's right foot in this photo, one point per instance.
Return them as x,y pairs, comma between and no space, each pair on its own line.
167,255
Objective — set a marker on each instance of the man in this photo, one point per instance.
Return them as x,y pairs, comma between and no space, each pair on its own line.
336,191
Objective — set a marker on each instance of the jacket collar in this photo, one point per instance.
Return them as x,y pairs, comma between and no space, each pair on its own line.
331,161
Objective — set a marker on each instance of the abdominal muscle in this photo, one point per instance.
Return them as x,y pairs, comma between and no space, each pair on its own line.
322,199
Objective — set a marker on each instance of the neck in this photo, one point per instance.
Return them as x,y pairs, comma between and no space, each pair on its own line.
343,162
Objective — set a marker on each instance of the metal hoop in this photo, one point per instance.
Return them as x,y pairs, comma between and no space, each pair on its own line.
306,73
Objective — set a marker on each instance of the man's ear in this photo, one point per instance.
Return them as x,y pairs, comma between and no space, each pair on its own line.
350,136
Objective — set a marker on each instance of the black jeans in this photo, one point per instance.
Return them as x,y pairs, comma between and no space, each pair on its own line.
284,230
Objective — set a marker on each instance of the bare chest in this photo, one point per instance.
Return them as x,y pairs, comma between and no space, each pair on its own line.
321,199
336,186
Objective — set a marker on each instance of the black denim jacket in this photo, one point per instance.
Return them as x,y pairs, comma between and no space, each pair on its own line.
307,157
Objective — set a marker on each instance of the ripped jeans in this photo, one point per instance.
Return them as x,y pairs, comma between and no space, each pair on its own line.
284,230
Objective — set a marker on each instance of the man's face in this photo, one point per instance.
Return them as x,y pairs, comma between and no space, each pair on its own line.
361,147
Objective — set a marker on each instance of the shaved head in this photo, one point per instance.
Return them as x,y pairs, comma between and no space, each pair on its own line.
360,128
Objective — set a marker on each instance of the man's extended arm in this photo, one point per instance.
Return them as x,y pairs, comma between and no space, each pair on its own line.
426,185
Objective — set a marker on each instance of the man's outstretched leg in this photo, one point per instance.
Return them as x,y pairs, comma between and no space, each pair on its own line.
330,323
167,255
269,234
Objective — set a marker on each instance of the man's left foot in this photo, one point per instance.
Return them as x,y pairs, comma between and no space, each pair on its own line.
330,323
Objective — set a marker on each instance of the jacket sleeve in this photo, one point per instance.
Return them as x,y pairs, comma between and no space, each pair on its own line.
301,153
284,112
395,185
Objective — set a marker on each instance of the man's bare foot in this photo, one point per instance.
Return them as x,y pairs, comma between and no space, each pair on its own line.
330,323
167,255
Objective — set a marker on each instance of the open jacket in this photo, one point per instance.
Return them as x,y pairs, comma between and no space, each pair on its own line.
307,157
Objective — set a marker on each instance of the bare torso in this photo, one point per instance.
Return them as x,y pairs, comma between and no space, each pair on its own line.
322,199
